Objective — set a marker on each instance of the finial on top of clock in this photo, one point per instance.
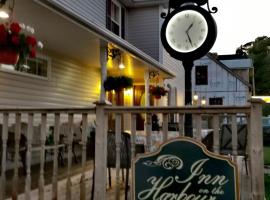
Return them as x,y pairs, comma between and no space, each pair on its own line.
174,4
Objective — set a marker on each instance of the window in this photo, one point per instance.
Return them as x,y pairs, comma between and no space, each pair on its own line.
115,18
201,75
216,101
38,66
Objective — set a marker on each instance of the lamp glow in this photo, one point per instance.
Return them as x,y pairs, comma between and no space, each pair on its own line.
122,66
4,14
128,92
203,101
195,97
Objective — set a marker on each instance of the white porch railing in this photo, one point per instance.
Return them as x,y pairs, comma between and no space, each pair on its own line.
80,117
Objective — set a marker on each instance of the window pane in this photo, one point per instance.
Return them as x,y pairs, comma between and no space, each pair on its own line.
42,68
31,66
201,75
216,101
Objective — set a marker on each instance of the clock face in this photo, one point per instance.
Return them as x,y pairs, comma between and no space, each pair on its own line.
186,31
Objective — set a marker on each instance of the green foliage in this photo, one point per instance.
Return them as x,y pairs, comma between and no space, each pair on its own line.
259,51
117,83
267,186
266,155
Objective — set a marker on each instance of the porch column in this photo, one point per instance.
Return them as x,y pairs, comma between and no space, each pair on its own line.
147,122
146,89
255,145
100,160
103,66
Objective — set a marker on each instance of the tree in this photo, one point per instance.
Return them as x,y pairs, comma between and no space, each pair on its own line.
259,51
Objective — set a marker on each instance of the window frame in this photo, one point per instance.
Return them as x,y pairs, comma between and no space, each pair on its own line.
121,17
198,81
21,73
215,99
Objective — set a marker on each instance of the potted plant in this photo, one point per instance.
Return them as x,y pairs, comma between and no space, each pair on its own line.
15,45
157,91
117,83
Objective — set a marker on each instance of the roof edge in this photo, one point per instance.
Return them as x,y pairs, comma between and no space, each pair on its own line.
209,55
104,34
137,4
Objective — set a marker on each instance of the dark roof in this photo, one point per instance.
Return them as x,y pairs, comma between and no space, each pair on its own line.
231,57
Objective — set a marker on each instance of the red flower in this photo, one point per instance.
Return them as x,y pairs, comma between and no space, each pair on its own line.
15,28
32,53
31,41
3,34
15,40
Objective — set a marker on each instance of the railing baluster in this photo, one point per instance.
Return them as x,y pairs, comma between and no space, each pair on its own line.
216,135
84,135
42,155
29,155
133,135
118,149
198,125
148,130
16,157
181,125
165,126
234,135
4,153
55,155
70,140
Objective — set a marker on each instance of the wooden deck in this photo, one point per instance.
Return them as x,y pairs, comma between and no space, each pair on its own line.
244,182
76,177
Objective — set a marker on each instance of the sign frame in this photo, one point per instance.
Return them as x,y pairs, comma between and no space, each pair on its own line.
205,151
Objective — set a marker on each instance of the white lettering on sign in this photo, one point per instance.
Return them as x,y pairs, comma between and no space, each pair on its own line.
158,184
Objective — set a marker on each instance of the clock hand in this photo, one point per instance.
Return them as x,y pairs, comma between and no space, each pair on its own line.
189,27
189,39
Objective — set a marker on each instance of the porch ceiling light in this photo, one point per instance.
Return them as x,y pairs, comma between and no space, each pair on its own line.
122,66
4,14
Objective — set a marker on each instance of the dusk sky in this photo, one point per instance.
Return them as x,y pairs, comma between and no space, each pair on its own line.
239,22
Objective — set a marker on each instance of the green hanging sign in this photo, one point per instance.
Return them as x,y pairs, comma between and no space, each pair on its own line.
183,169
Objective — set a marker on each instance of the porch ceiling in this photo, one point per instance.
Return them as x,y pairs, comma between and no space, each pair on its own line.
59,35
67,39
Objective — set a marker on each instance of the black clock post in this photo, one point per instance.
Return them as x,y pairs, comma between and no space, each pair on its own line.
188,33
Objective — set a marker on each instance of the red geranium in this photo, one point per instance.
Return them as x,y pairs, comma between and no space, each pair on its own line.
15,40
15,28
32,53
3,34
31,41
12,38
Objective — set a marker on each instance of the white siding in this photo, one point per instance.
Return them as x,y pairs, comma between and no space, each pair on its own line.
70,85
143,29
90,10
220,84
179,81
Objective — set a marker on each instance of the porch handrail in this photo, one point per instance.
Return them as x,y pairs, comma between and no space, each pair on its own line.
179,109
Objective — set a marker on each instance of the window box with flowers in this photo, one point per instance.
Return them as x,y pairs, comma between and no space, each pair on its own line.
15,45
158,91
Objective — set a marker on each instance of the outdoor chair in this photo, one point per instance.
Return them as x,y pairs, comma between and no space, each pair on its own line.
125,155
11,147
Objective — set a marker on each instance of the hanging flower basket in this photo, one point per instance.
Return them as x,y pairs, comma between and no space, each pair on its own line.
15,45
157,91
117,83
9,57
